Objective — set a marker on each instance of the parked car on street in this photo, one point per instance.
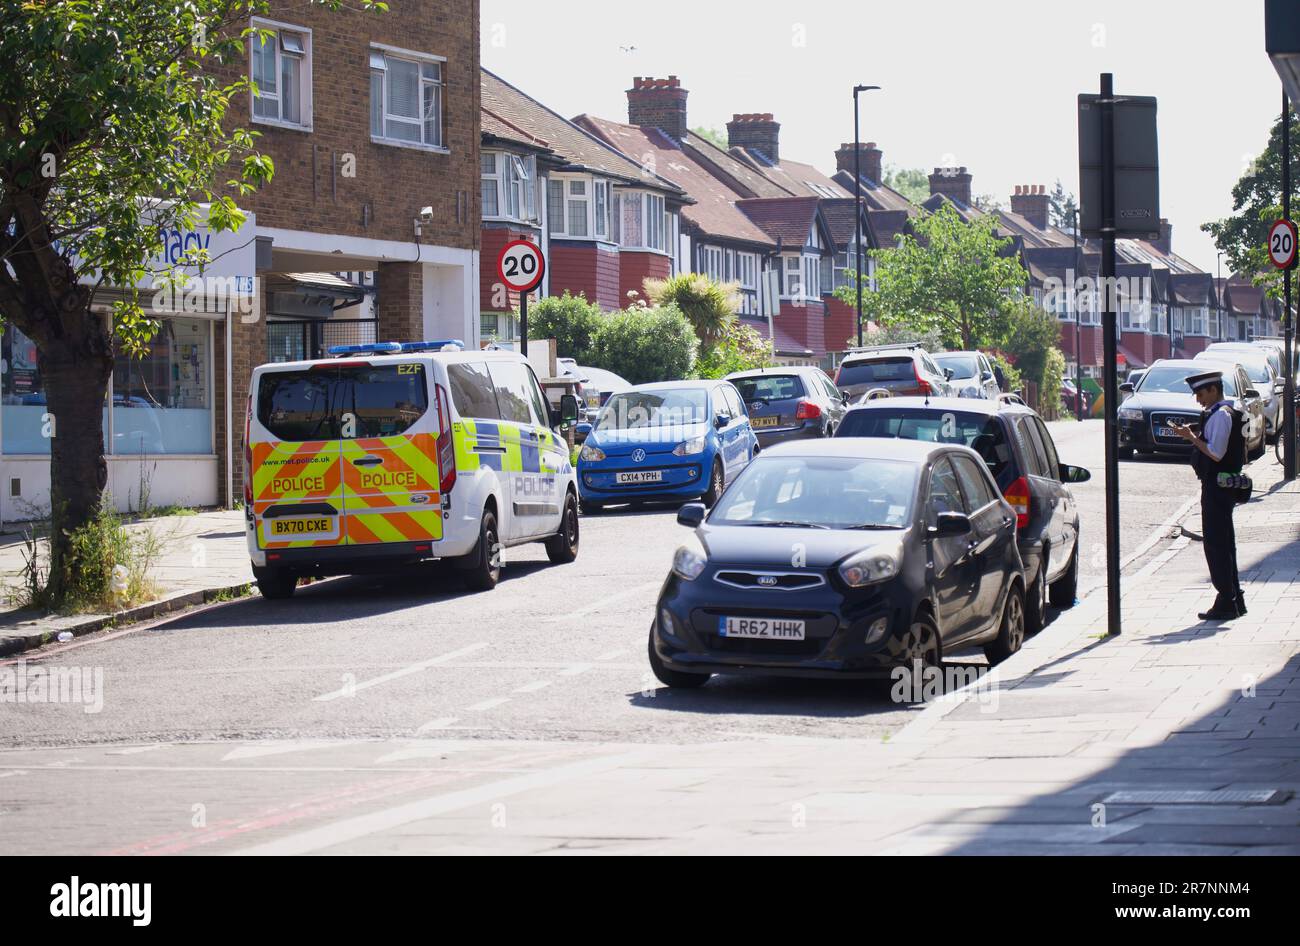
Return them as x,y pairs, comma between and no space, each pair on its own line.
899,369
671,440
598,385
789,403
969,372
907,551
1163,396
1263,374
1018,450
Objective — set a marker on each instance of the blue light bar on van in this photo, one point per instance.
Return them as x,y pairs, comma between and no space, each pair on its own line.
442,344
376,348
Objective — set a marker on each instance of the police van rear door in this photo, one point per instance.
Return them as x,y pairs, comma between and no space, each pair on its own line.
297,483
389,426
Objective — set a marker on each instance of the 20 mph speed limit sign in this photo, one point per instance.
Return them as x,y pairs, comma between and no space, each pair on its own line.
521,265
1282,244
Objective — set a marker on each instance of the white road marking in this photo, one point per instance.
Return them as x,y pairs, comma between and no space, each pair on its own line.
606,601
609,655
533,687
13,772
484,705
576,669
442,722
136,750
397,674
350,829
260,750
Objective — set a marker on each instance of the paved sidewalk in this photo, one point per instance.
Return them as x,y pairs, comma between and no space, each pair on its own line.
203,555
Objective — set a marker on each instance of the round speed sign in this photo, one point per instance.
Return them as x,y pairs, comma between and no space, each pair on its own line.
521,265
1282,244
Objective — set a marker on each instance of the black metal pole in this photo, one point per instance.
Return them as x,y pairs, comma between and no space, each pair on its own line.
1218,293
1078,332
1107,105
857,204
1288,326
523,324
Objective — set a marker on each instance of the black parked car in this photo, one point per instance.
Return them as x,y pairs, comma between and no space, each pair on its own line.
789,403
847,557
1016,446
1162,396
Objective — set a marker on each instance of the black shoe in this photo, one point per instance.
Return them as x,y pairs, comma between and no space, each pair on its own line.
1241,605
1217,613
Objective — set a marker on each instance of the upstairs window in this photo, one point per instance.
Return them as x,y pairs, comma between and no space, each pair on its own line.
280,67
568,207
406,98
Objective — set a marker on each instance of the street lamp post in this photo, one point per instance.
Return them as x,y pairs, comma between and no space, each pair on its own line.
1218,295
857,198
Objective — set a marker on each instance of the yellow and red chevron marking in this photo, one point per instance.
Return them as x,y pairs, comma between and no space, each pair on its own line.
374,526
409,466
297,472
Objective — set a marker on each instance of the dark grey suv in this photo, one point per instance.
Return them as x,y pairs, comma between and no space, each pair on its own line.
789,403
1018,450
899,369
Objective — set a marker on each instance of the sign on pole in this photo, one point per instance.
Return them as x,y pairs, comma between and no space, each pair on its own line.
1282,244
521,267
1136,155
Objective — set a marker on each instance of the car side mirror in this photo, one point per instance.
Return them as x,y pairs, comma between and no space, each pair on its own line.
568,409
948,373
986,376
844,398
1279,387
720,421
692,514
1127,387
951,523
1073,474
1250,394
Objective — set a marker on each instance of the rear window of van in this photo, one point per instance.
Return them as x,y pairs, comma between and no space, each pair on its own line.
328,403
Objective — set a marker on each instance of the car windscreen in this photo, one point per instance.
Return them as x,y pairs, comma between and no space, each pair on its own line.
1173,380
820,492
769,387
326,403
983,433
632,410
876,371
963,366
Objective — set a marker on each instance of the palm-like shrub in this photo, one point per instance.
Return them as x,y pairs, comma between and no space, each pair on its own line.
708,305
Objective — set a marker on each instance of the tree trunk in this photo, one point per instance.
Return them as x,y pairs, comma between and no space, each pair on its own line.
76,383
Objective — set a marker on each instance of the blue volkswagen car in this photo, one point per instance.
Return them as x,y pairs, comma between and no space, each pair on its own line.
663,442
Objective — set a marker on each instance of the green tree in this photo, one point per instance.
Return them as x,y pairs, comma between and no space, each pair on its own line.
912,183
571,320
710,306
1256,203
1030,342
645,344
949,276
740,349
713,135
108,108
1062,206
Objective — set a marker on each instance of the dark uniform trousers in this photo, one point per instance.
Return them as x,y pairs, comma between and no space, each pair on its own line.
1220,540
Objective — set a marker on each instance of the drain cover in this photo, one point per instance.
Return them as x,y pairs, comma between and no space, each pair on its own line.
1261,796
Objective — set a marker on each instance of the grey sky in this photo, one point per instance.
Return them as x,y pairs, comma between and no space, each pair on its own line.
990,85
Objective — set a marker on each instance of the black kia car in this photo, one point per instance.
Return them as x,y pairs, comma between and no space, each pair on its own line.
789,403
844,557
1018,450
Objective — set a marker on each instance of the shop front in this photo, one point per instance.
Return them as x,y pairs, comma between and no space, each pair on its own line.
160,413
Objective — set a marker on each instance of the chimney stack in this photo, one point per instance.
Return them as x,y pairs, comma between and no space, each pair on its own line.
1166,242
658,103
868,160
953,183
1032,202
757,131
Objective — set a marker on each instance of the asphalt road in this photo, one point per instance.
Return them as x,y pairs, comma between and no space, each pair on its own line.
226,728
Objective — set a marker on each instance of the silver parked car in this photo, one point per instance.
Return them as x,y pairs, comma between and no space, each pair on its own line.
970,373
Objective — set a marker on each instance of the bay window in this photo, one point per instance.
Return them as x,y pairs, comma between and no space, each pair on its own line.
641,221
405,98
507,182
601,208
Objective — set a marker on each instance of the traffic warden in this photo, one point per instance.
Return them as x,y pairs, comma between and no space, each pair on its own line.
1219,454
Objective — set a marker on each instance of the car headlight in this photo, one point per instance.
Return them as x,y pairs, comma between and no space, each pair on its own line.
869,567
591,454
1129,413
692,446
689,562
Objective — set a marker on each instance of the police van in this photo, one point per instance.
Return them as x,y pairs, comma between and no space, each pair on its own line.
393,453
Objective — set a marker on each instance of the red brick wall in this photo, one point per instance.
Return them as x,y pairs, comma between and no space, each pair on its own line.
390,184
588,269
494,240
1193,345
1139,343
248,349
1159,346
806,323
841,323
1090,341
633,268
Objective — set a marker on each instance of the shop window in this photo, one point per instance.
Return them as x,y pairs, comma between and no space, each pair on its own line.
162,401
24,416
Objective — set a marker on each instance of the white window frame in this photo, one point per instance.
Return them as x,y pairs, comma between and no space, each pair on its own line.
495,178
560,228
304,75
792,277
420,60
656,222
711,262
600,193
